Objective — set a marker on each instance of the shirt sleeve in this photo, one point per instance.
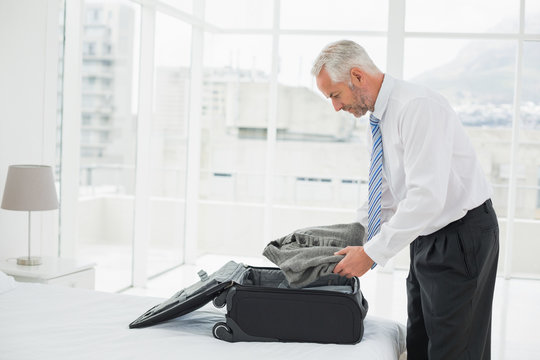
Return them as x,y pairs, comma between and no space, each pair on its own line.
362,214
426,130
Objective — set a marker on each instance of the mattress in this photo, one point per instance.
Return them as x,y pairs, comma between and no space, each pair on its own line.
52,322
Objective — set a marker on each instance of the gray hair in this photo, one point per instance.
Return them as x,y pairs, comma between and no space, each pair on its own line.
338,58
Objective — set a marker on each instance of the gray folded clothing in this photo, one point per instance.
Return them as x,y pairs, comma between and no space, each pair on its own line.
307,254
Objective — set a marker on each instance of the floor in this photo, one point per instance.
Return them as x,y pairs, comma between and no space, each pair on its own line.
516,312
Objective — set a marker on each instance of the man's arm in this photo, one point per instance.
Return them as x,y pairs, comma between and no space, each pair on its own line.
426,133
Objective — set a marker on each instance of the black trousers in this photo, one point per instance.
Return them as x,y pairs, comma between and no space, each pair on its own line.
450,289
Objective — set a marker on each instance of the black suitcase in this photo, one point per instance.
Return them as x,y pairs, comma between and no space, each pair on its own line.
261,307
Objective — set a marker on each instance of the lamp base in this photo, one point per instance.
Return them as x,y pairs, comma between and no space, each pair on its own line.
29,260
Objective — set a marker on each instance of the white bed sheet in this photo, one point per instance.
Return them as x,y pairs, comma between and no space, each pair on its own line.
51,322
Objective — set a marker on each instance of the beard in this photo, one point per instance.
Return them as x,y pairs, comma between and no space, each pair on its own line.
361,100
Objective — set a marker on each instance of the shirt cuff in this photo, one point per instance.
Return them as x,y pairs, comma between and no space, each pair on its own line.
375,251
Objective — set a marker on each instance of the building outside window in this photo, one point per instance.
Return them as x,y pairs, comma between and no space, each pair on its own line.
274,155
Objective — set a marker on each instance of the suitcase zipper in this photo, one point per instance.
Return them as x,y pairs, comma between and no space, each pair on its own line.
293,291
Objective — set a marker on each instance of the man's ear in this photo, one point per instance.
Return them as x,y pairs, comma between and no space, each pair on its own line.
357,76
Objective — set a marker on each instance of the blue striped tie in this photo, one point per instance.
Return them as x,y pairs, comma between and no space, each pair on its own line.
375,180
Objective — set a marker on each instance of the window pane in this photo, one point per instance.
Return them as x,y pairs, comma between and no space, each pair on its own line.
107,178
184,5
233,142
477,78
169,143
484,16
59,94
527,225
532,16
321,155
251,14
355,15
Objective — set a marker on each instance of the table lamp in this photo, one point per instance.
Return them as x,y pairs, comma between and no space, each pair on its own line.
29,188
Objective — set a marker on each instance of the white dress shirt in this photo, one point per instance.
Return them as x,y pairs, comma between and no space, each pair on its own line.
431,175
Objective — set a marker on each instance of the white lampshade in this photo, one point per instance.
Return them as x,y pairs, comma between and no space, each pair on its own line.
30,188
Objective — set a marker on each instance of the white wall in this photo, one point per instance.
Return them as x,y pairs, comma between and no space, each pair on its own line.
28,83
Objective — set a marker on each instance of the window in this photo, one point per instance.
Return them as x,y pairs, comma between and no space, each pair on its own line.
532,16
251,14
183,5
462,16
527,207
350,15
169,143
316,169
107,159
232,177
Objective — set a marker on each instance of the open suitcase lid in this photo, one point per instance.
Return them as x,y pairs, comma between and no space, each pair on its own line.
193,297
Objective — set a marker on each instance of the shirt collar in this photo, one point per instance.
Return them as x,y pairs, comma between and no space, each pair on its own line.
383,96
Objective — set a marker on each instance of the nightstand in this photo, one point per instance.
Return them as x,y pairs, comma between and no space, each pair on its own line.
53,270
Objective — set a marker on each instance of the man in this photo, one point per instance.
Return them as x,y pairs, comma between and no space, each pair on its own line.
426,190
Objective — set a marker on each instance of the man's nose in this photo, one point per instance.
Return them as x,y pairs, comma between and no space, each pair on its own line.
337,105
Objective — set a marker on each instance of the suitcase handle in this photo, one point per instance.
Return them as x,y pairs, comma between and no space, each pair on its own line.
203,275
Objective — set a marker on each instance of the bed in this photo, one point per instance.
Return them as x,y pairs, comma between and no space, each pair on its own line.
53,322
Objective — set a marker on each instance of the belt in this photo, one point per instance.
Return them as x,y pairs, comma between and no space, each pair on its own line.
484,208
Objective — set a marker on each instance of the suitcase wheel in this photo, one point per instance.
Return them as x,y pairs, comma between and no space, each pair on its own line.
222,331
219,301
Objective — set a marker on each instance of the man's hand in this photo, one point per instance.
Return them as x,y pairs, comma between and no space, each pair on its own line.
355,263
